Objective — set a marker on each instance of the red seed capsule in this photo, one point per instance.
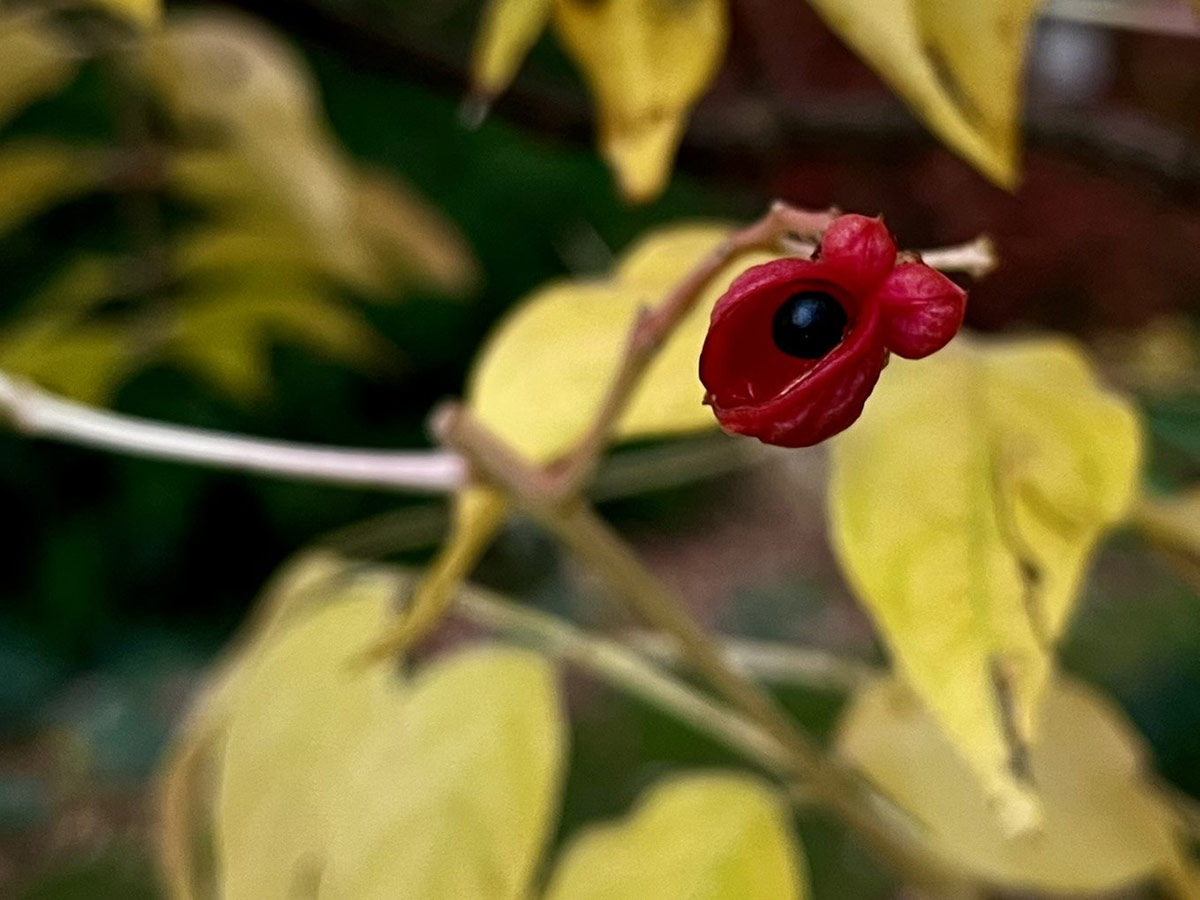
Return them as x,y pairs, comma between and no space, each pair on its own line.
795,346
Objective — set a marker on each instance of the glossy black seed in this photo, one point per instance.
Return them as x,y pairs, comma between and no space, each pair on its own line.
808,324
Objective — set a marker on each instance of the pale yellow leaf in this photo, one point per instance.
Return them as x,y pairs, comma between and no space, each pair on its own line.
507,29
87,363
143,13
224,332
964,507
36,63
411,240
36,175
353,597
541,376
1103,827
224,75
647,62
700,837
345,783
958,65
294,714
456,795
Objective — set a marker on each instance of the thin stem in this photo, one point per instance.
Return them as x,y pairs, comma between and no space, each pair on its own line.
654,326
625,669
37,413
977,258
579,529
808,667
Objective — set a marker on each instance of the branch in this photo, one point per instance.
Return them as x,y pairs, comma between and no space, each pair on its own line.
625,669
580,530
37,413
653,327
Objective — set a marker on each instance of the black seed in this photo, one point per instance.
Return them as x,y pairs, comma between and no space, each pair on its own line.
808,324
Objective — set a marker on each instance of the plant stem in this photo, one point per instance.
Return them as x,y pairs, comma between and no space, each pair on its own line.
34,412
624,668
579,529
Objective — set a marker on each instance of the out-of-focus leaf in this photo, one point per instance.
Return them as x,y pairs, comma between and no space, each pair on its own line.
507,29
294,713
87,363
460,791
958,65
36,175
278,165
702,837
143,13
543,373
1172,525
225,333
647,62
1161,357
36,62
53,343
227,71
964,506
412,239
347,778
1103,826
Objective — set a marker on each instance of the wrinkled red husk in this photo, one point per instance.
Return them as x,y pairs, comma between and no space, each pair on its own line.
756,389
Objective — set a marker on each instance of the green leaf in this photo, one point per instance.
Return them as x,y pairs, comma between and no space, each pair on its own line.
701,837
964,507
1104,827
347,782
541,376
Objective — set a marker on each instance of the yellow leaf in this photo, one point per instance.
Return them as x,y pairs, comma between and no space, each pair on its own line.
36,175
345,777
86,363
143,13
507,29
224,332
702,837
964,506
459,791
410,238
1103,827
543,373
647,62
293,717
36,62
958,65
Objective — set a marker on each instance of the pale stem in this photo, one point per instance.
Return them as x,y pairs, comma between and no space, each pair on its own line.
808,667
624,669
37,413
585,534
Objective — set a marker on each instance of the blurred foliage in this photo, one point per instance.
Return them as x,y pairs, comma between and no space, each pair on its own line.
958,65
384,772
246,222
211,215
1104,827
